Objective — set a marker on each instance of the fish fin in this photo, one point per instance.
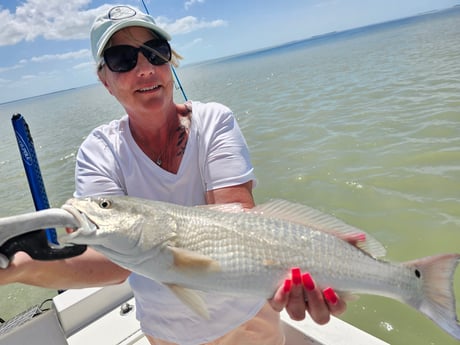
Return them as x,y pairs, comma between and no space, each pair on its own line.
317,220
188,261
190,298
234,207
438,301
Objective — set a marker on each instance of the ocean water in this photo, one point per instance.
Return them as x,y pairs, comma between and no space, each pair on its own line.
364,125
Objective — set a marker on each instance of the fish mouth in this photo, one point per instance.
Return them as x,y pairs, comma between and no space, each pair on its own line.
84,222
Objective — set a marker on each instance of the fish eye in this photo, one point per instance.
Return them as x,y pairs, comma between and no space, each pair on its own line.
105,203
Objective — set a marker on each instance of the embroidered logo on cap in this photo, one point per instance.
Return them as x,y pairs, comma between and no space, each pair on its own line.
121,12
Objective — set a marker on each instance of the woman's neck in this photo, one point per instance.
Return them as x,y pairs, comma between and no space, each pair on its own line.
162,137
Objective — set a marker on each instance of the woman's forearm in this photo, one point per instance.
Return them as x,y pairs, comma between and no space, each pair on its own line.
87,270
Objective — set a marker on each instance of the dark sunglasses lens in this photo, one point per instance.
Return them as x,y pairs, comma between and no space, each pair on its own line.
160,52
121,58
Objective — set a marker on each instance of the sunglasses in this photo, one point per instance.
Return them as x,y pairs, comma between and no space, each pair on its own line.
123,58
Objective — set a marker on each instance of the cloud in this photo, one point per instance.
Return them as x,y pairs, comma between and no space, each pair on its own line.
42,75
10,68
80,54
29,77
187,24
51,19
190,3
83,53
193,43
327,3
85,65
66,20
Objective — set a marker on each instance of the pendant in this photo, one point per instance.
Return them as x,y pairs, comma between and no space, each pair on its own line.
159,161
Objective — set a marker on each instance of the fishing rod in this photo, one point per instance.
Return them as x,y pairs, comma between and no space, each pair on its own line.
39,244
32,169
172,67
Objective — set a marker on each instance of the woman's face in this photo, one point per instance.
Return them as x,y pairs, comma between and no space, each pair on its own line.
146,86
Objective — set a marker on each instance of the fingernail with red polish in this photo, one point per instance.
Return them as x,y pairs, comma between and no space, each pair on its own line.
287,286
330,296
361,237
296,276
308,282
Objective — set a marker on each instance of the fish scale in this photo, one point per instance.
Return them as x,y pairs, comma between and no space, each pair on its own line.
241,253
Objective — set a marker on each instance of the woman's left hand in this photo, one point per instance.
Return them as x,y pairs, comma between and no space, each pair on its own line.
300,295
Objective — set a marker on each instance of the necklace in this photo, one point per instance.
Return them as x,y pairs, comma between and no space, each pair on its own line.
159,160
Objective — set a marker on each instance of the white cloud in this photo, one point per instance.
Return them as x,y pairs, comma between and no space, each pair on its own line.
80,54
65,20
28,77
51,19
187,24
191,44
83,53
42,75
85,65
10,68
190,3
327,3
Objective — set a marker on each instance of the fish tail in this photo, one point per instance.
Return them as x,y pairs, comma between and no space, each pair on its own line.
438,304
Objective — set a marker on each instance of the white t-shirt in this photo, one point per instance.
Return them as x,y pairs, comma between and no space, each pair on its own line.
110,162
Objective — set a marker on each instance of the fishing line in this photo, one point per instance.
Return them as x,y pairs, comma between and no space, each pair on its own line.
172,67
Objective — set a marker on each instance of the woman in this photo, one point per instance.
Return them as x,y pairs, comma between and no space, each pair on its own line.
188,154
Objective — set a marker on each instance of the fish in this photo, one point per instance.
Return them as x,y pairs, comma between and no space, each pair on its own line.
234,251
228,249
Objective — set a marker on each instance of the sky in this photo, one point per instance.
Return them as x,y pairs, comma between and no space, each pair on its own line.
44,44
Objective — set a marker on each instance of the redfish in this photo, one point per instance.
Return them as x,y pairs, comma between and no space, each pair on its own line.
227,249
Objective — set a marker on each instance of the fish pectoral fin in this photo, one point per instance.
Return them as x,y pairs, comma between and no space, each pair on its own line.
188,261
190,298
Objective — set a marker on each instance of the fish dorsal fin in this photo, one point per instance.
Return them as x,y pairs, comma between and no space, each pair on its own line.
234,207
317,220
190,298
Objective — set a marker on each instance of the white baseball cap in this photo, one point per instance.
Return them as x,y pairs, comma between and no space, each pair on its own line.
115,19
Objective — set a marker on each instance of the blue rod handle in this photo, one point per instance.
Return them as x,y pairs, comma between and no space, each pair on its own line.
32,169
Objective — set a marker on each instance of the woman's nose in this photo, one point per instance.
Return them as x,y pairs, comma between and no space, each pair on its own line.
143,65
